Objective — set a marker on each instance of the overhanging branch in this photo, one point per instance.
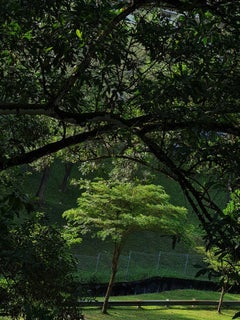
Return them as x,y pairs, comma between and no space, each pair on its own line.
53,147
182,179
24,109
166,121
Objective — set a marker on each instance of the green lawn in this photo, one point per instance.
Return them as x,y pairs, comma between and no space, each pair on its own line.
166,313
160,313
157,314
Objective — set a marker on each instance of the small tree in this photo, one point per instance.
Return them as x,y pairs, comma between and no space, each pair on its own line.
115,210
223,259
221,268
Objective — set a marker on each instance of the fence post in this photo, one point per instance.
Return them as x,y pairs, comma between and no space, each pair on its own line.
128,263
97,263
159,258
186,263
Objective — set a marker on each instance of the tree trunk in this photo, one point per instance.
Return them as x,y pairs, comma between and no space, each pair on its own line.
68,169
43,184
116,254
221,298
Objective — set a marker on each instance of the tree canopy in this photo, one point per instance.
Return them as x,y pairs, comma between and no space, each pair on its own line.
116,210
110,209
153,81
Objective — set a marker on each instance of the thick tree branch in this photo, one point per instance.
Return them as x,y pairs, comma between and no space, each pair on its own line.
165,121
24,109
52,148
207,124
79,119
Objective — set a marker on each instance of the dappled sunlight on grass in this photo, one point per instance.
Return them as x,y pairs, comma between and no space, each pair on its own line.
159,313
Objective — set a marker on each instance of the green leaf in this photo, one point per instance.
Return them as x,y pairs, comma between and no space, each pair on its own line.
205,40
48,49
79,34
28,35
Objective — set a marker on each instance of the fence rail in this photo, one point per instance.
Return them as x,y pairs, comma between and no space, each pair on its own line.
142,265
141,303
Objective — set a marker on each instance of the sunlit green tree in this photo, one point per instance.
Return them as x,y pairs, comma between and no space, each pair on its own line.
115,210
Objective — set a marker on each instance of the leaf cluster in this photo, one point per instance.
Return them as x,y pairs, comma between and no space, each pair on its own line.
110,209
222,254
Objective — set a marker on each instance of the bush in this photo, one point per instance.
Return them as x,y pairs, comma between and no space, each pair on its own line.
36,266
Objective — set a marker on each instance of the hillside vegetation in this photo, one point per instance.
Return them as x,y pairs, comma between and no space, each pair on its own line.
57,201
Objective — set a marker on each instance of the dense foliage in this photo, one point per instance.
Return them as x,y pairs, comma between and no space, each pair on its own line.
36,266
226,254
138,79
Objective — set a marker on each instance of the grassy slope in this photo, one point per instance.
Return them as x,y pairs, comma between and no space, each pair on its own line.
149,242
167,313
57,202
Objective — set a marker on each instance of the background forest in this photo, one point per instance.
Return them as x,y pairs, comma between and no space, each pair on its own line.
145,92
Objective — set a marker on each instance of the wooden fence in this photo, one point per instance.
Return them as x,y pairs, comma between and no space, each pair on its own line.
141,303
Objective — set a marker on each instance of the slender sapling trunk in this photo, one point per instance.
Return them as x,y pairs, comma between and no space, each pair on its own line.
116,254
